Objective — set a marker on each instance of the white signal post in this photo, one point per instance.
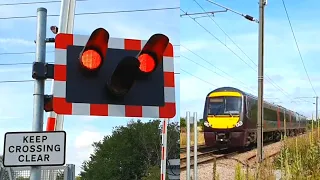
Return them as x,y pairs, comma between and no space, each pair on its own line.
195,147
66,23
164,149
188,145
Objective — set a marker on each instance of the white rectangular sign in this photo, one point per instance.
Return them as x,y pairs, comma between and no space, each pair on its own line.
34,148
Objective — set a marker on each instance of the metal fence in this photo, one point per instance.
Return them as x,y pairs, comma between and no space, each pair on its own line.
66,172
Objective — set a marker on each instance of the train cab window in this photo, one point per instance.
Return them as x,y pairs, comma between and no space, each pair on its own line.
224,106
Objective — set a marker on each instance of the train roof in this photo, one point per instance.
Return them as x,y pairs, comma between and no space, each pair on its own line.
221,89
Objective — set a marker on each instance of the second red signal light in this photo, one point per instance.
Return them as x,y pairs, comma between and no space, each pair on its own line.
147,63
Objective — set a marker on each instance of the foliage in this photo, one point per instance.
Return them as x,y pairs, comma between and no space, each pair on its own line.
131,152
153,174
183,122
201,123
299,158
22,178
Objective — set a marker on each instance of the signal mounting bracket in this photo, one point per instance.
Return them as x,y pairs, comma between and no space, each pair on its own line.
42,70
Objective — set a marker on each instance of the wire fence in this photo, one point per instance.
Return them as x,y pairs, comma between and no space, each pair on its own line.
47,173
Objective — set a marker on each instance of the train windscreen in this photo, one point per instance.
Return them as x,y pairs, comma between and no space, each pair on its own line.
224,106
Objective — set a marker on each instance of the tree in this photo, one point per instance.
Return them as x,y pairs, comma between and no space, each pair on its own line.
183,122
22,178
130,152
201,123
153,174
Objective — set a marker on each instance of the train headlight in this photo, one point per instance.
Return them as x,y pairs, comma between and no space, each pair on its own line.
240,123
206,123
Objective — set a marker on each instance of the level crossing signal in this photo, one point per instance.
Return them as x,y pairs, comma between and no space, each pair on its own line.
102,76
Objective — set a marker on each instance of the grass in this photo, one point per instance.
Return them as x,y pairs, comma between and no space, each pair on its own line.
299,159
183,137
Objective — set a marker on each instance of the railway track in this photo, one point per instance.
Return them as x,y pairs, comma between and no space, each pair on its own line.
207,157
184,149
202,149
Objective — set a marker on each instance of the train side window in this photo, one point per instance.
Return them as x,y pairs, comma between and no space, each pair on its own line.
293,118
273,115
248,108
270,114
253,109
266,114
281,116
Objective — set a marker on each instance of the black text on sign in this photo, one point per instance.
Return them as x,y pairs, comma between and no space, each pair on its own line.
34,148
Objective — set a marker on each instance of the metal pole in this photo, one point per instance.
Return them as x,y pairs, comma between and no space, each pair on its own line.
260,82
195,156
188,145
37,124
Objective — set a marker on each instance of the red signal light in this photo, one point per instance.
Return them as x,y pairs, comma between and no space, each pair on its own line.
91,60
147,63
151,54
95,51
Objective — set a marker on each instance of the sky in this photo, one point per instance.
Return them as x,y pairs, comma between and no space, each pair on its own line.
210,59
18,35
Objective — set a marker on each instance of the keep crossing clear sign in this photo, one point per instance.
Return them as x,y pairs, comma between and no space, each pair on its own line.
34,149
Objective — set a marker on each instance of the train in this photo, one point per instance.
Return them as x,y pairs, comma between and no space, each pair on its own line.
230,119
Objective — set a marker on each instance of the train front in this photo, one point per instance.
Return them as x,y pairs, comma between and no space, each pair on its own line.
223,119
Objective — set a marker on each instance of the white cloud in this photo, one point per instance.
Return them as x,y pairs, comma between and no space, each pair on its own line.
86,138
80,147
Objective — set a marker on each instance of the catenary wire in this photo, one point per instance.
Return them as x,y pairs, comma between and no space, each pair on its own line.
295,39
94,13
229,76
33,52
29,63
198,78
226,34
35,2
227,47
30,80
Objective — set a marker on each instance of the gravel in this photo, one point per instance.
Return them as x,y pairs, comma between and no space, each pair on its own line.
226,167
